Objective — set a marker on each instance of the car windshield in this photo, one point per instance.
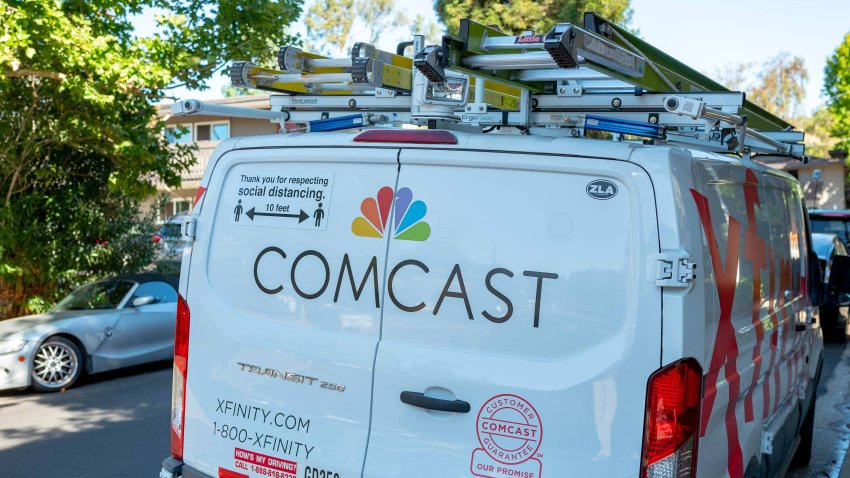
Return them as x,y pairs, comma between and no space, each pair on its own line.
832,226
169,230
97,296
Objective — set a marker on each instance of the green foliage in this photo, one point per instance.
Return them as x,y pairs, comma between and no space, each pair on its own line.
777,85
426,27
229,91
81,143
538,15
837,89
330,23
818,129
782,88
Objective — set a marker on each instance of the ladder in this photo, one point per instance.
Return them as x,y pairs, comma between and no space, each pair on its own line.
567,82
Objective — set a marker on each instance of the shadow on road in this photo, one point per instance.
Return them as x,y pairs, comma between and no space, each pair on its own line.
115,423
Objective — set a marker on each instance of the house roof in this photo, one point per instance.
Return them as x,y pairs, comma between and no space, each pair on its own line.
791,164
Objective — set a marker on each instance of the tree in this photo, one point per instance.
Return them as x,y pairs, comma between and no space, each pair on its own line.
837,89
379,16
330,23
782,85
428,28
818,129
81,143
778,84
538,15
229,91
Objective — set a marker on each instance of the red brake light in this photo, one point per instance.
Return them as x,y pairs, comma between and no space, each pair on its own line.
156,238
181,332
417,136
178,384
671,431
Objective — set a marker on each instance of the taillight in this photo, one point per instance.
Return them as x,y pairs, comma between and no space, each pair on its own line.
418,136
156,239
671,430
178,383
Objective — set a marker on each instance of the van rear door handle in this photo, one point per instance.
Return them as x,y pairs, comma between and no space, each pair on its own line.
420,400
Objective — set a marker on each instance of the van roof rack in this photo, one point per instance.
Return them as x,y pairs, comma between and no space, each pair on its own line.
573,79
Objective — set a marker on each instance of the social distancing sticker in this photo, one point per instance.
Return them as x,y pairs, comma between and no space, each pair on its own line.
294,201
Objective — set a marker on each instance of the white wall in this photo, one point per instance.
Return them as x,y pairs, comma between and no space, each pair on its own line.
830,189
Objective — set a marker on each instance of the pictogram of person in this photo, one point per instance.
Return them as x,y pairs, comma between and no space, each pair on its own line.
238,210
319,214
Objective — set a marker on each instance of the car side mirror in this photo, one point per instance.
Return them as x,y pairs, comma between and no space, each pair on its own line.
144,300
839,277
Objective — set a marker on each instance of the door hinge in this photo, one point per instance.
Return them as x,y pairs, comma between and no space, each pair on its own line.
675,269
188,228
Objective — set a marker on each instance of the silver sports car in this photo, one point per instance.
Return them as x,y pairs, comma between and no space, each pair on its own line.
101,326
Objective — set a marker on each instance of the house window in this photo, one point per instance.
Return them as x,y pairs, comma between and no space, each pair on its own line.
212,131
180,206
178,134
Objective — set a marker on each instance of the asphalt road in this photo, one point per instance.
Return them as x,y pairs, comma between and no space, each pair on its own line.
832,416
116,424
112,424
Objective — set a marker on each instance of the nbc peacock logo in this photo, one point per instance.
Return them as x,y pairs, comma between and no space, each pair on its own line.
407,216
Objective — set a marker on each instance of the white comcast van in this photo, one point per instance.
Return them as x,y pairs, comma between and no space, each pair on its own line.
421,303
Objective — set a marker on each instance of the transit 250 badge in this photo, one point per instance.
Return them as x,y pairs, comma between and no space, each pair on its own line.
510,432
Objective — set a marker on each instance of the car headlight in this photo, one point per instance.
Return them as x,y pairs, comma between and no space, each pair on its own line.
11,346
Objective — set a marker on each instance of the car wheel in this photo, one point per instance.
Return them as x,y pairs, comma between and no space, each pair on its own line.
56,365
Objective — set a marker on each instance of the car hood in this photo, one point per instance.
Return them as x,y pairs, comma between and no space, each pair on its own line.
31,326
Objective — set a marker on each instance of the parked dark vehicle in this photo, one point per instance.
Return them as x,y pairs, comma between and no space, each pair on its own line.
832,221
833,314
169,238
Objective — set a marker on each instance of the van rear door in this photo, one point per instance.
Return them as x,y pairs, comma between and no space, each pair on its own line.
521,322
285,313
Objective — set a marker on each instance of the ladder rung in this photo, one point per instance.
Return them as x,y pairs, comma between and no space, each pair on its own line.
328,63
556,74
302,78
510,61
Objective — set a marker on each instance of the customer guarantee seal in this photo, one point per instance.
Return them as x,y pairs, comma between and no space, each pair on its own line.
510,433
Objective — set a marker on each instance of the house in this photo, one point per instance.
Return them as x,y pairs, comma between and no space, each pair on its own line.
206,132
830,191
